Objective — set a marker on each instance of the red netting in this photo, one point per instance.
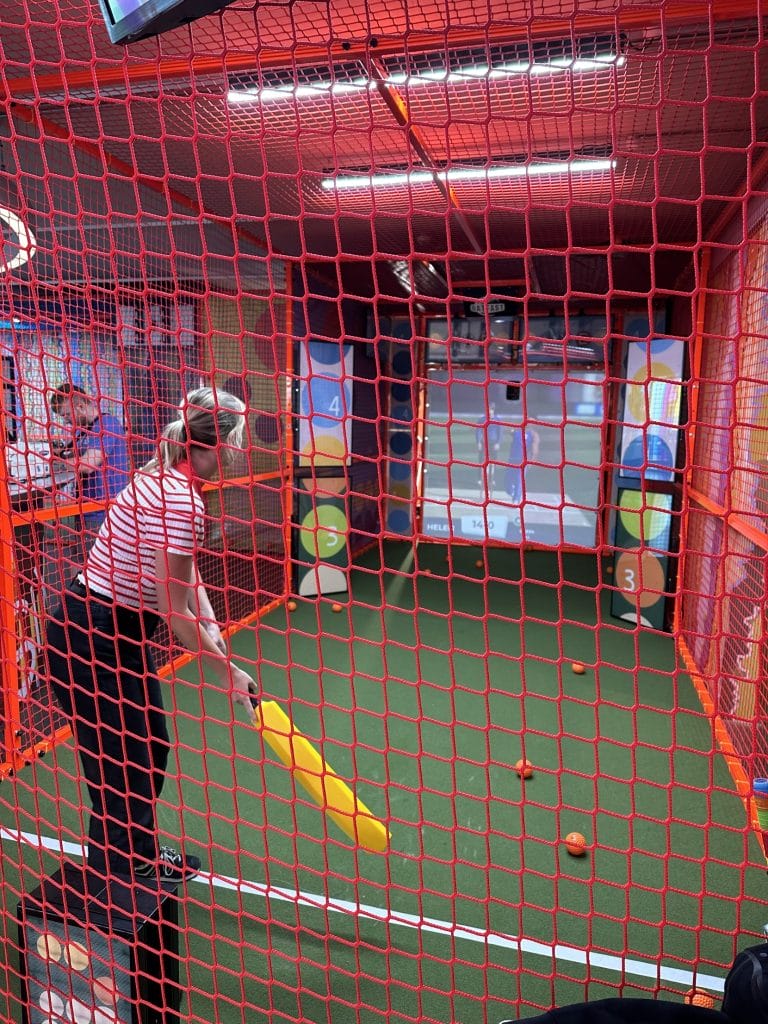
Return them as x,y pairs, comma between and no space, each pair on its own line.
489,285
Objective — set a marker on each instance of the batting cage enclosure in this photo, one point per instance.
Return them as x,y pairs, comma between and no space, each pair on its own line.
384,507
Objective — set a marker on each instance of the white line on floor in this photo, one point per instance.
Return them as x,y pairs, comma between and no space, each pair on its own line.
571,954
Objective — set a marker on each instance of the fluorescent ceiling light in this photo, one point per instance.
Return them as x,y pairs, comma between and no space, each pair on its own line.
402,271
319,88
477,72
484,71
423,177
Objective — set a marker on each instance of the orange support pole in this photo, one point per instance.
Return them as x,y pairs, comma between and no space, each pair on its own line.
288,471
624,19
8,636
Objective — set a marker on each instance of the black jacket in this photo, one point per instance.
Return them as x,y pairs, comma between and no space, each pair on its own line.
629,1011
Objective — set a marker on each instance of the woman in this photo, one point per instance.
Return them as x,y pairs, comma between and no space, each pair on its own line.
140,569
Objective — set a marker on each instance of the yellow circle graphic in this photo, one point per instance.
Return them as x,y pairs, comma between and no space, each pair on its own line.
652,395
323,531
325,450
77,956
400,490
643,516
49,947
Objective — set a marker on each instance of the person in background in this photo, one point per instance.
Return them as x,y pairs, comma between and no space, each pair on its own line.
488,440
143,568
98,454
523,450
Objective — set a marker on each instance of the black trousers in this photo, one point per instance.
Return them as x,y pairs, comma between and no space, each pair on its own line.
632,1011
103,675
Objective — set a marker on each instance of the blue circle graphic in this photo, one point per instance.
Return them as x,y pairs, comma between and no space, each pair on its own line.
651,454
398,521
399,471
402,364
400,443
328,353
326,400
401,413
637,326
401,392
659,345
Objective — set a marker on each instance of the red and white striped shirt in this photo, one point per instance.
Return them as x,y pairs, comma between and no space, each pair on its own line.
162,509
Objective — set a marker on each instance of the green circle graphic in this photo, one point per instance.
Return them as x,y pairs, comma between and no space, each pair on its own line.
323,531
643,523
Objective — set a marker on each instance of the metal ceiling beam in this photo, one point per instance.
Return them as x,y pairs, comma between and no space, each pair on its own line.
51,130
399,110
92,80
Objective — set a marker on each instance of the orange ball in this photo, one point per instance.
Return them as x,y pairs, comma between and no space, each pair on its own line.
291,606
575,844
336,608
609,570
577,668
524,768
700,997
479,563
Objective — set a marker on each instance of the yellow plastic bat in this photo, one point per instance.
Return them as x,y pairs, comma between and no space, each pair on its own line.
326,788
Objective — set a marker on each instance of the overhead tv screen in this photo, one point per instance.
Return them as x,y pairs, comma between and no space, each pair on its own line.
555,340
469,340
130,20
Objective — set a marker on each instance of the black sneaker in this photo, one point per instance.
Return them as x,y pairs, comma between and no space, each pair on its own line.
171,866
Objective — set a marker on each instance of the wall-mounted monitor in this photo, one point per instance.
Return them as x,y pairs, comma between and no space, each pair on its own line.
555,340
130,20
468,340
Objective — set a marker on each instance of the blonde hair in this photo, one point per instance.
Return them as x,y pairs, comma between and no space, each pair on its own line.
208,418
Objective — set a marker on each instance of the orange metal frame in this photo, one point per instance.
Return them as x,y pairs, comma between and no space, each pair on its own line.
640,18
692,496
8,640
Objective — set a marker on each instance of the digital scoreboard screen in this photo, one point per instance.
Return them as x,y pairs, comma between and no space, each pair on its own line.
127,21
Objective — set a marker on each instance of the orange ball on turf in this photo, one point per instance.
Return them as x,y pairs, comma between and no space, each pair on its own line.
336,608
609,570
575,844
479,563
291,606
524,768
700,997
577,668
